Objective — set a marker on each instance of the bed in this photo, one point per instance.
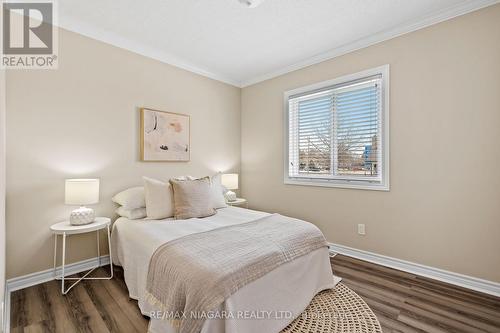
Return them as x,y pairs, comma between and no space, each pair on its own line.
276,298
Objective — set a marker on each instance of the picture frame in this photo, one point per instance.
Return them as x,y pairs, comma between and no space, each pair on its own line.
164,136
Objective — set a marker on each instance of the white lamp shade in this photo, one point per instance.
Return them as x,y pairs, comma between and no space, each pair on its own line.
230,181
81,191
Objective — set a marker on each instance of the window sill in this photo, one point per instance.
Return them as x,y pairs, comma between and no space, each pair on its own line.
338,184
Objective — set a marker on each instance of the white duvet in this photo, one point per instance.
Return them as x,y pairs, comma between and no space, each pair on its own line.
266,305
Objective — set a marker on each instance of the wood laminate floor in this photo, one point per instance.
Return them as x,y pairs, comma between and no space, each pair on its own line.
403,303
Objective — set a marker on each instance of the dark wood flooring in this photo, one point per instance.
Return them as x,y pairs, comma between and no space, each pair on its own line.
403,303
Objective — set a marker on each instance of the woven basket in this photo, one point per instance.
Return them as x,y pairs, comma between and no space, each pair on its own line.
338,310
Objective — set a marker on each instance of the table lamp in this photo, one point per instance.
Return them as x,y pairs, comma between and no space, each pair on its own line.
230,181
81,192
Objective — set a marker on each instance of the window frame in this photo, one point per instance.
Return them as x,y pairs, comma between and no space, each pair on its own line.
383,185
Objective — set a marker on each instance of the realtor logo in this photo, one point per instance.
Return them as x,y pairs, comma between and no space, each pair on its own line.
29,38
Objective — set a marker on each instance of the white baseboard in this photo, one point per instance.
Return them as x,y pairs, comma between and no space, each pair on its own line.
32,279
469,282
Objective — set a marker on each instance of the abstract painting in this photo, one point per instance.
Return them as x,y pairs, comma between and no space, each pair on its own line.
164,136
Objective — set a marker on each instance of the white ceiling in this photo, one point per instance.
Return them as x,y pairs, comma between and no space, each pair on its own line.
224,40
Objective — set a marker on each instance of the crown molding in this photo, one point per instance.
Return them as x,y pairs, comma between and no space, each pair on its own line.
114,39
382,36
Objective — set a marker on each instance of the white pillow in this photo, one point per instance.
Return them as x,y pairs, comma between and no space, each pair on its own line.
132,214
159,199
217,192
131,198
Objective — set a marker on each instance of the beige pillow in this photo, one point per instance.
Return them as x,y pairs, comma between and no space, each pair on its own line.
159,199
216,190
192,198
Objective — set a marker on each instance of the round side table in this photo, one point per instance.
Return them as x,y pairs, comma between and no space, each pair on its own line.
238,202
66,229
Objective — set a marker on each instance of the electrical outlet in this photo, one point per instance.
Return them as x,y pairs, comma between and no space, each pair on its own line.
361,229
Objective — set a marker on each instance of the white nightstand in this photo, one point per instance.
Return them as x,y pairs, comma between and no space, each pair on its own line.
65,229
238,202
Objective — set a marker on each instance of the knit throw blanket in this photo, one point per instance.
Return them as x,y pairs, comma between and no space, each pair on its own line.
192,275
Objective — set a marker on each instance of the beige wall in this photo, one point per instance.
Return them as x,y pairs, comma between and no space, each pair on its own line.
443,209
82,120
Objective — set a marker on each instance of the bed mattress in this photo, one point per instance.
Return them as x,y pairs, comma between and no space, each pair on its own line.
262,306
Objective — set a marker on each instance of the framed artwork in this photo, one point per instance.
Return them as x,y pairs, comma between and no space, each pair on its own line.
164,136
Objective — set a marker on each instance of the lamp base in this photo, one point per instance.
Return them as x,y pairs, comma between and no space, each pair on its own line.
81,216
230,196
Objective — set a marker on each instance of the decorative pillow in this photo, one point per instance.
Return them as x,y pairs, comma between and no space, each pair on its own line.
216,189
131,198
159,199
192,198
132,214
217,192
187,177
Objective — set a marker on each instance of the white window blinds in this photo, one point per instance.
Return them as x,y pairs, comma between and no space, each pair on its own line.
335,132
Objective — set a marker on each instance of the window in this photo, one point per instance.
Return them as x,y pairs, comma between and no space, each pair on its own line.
337,132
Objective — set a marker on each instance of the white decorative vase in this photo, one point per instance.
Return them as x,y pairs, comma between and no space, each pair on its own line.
81,216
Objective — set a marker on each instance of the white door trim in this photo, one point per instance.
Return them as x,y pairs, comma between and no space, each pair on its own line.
3,106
